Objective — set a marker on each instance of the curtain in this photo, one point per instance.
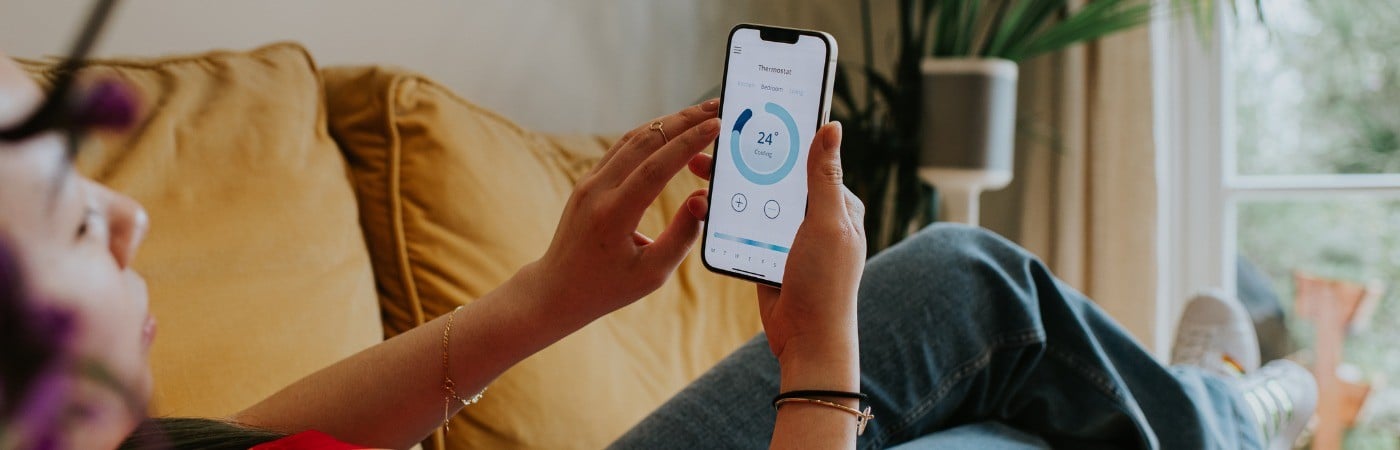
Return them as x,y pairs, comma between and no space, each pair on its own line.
1084,197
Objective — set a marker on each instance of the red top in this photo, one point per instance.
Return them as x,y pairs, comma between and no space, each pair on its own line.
307,440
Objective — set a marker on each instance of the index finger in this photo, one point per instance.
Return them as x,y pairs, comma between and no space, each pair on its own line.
653,174
643,141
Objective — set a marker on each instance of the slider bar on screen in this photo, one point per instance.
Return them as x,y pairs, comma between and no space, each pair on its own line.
776,248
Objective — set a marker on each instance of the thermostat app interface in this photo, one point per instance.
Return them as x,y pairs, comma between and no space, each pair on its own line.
771,108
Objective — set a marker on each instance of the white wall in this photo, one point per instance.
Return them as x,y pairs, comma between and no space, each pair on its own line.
554,65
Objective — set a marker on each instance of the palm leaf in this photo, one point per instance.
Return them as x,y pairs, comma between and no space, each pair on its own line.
1097,19
998,16
906,14
1001,32
865,32
948,31
883,86
968,25
925,35
1021,22
1038,15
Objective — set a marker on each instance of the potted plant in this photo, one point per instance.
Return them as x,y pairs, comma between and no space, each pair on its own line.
956,59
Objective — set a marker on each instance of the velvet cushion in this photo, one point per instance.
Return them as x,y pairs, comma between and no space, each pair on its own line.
454,199
256,264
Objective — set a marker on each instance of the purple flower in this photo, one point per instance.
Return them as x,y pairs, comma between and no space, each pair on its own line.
41,416
109,104
36,370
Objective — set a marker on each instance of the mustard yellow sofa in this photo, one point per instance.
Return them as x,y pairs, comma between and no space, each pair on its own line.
301,214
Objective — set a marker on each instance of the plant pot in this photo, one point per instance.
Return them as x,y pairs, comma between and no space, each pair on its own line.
967,133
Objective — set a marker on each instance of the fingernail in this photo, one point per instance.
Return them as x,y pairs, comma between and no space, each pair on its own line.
710,126
709,106
833,138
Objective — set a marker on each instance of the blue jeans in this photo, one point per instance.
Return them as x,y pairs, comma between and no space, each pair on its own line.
967,341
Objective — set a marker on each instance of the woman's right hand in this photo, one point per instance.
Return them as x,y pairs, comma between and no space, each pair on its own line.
813,317
811,321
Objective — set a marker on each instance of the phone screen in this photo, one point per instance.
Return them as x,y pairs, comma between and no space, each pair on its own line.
775,96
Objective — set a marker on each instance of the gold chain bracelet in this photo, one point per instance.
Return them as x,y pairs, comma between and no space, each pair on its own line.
448,386
862,417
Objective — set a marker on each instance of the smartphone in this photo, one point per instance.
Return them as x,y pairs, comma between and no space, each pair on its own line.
775,95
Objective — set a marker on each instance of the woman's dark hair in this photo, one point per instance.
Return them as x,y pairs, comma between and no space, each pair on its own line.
178,433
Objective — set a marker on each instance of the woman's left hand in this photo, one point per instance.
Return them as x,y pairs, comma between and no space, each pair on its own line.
598,261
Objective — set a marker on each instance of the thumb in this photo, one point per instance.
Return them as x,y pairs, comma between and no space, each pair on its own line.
825,197
675,241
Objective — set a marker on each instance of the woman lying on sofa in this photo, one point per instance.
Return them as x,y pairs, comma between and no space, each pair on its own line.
962,339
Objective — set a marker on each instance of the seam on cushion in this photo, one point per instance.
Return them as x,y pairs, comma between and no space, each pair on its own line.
396,88
161,61
323,130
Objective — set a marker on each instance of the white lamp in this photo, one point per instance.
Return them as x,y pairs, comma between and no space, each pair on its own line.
967,135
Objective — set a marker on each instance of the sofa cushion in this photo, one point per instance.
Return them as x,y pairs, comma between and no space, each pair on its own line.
454,199
256,263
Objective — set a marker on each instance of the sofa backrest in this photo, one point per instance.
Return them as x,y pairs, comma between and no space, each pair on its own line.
455,199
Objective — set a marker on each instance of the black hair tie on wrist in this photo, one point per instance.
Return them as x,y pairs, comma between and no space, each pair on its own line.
816,393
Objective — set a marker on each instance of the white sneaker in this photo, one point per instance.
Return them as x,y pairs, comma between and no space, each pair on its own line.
1283,396
1216,334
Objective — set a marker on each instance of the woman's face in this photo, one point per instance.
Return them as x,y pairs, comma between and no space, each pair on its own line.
77,240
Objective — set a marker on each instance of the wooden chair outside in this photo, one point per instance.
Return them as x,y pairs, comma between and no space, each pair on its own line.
1336,308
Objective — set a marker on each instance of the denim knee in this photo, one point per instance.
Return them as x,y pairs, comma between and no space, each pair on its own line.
951,244
959,270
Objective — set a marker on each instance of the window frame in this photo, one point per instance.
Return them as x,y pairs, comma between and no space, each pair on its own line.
1201,192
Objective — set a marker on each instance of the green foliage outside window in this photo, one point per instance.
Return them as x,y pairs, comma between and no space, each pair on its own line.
1318,92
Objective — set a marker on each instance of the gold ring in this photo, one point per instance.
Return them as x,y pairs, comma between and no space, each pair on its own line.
656,126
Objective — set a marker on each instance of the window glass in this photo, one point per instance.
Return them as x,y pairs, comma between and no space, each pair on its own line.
1317,87
1344,238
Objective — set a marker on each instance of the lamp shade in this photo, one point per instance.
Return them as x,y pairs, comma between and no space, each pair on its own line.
967,130
969,113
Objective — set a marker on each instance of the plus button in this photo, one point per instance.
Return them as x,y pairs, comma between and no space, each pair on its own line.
739,202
